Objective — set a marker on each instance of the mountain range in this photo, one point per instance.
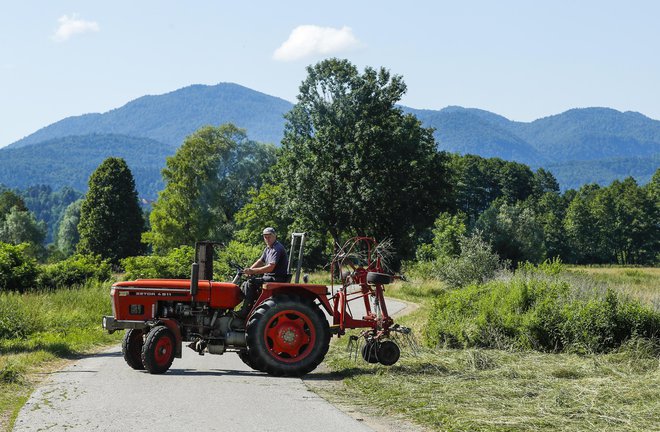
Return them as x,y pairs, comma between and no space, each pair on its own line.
579,146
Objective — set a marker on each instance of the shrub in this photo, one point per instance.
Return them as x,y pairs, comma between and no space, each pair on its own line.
17,270
174,265
476,263
534,310
74,270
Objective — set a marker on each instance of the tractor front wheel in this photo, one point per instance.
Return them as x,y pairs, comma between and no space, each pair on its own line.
131,348
287,335
158,350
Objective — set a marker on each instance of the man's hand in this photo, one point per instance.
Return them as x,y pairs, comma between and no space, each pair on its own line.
248,271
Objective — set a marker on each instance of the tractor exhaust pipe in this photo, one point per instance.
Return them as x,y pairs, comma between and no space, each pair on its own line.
194,279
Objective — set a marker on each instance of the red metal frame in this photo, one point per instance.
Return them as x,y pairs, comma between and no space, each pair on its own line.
378,321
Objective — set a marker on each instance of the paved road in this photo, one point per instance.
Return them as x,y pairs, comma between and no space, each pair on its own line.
212,393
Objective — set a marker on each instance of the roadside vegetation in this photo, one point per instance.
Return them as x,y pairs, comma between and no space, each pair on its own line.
39,329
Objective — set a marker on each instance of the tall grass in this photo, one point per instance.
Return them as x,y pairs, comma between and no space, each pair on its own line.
67,320
547,312
38,328
640,283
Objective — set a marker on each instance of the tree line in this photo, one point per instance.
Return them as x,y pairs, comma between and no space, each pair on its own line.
353,163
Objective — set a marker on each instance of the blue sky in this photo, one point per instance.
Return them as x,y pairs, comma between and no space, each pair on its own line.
520,59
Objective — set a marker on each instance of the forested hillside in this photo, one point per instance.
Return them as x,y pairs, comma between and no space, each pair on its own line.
592,133
170,117
70,160
468,132
580,146
572,174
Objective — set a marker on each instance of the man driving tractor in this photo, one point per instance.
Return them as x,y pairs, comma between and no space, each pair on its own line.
272,265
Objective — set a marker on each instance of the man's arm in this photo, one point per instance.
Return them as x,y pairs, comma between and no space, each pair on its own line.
259,267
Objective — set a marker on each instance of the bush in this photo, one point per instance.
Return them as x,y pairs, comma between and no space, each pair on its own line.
174,265
534,310
17,270
476,263
74,270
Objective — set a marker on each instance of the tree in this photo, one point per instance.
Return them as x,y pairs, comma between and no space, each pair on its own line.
637,221
580,224
447,232
67,234
260,211
513,230
48,205
20,226
474,188
544,182
8,200
516,181
353,163
111,221
207,182
551,209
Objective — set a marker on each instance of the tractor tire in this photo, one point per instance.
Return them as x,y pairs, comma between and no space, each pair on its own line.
158,350
287,336
374,278
131,348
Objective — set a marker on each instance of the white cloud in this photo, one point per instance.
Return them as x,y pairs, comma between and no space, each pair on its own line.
308,40
73,25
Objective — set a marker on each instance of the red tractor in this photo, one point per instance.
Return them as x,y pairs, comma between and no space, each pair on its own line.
285,334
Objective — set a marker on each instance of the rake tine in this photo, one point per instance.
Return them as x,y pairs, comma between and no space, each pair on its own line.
353,347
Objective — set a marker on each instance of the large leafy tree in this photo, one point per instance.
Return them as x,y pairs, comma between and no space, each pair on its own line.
207,182
111,220
354,163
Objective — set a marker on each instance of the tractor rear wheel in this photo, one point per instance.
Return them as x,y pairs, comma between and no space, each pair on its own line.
131,348
288,336
158,350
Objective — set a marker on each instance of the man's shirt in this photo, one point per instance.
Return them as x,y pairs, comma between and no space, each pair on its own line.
276,254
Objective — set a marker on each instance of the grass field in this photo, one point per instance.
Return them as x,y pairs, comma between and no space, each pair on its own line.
493,390
641,283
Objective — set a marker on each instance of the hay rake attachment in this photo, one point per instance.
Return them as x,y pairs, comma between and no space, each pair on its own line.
362,265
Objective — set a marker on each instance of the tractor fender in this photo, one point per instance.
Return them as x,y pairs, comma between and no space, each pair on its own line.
308,291
173,325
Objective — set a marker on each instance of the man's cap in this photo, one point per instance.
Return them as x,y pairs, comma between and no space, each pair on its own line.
269,230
